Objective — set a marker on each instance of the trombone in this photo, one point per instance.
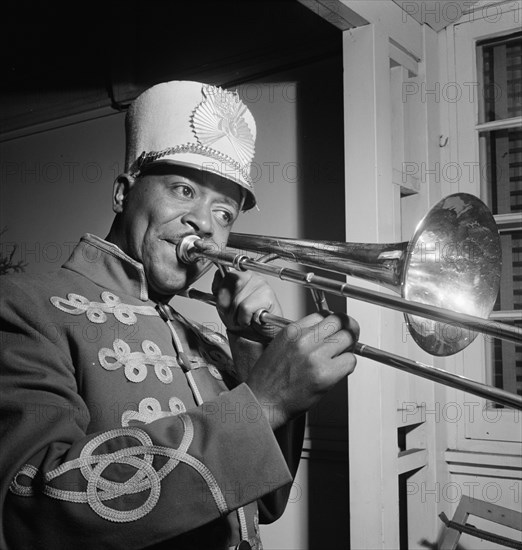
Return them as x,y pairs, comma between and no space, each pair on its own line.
447,275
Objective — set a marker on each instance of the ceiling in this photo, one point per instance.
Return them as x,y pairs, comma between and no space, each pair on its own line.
57,60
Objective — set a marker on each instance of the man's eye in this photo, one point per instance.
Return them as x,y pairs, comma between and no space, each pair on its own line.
225,216
183,190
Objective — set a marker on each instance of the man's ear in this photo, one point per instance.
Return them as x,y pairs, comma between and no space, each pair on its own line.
122,185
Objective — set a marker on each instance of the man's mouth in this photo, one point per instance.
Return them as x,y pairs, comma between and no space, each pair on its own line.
172,245
176,239
174,242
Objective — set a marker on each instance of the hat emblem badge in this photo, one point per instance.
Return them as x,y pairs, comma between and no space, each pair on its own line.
220,117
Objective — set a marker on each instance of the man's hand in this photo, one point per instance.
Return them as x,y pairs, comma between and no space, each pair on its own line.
302,363
239,296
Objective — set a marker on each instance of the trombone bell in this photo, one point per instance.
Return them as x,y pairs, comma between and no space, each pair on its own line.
454,262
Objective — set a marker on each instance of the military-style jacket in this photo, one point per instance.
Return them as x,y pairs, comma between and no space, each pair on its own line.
121,425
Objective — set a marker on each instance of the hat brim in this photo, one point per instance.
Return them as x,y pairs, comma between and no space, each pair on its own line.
205,164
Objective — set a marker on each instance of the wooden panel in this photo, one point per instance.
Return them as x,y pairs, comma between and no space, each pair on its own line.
396,23
412,459
371,217
437,14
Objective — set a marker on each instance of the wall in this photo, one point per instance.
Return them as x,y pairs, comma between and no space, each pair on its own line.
57,185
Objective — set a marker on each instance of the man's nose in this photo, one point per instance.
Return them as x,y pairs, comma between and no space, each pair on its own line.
199,218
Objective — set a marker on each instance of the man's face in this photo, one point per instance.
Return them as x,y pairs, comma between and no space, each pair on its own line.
161,208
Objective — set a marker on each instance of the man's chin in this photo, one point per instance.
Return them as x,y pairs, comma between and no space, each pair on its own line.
166,287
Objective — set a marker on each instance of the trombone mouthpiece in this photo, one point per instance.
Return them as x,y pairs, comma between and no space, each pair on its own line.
185,247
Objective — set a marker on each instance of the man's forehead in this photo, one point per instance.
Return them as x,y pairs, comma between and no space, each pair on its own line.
229,191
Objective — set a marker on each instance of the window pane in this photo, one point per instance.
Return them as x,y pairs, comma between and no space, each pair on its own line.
503,169
502,79
510,296
507,356
507,365
503,149
501,162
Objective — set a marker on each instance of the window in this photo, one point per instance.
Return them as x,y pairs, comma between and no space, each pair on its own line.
500,138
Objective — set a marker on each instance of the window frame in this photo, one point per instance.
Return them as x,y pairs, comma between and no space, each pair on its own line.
506,222
481,423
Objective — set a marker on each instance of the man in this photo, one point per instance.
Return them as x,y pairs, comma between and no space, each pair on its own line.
125,425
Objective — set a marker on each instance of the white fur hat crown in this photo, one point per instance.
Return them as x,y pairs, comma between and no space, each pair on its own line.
192,124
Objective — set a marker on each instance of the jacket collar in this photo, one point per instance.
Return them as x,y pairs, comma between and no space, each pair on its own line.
108,266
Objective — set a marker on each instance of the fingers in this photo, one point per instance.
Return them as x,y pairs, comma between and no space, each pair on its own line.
336,333
242,294
312,319
217,282
252,297
345,363
223,289
341,333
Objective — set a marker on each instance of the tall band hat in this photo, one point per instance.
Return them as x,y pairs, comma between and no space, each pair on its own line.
192,124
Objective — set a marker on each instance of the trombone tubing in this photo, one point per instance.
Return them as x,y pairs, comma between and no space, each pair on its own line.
242,262
417,368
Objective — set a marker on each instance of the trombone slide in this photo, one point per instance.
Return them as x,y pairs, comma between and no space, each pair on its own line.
417,368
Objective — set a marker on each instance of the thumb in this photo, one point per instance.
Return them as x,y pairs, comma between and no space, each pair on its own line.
223,289
217,281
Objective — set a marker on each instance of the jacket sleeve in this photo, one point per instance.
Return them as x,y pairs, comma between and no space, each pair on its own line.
128,487
289,437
